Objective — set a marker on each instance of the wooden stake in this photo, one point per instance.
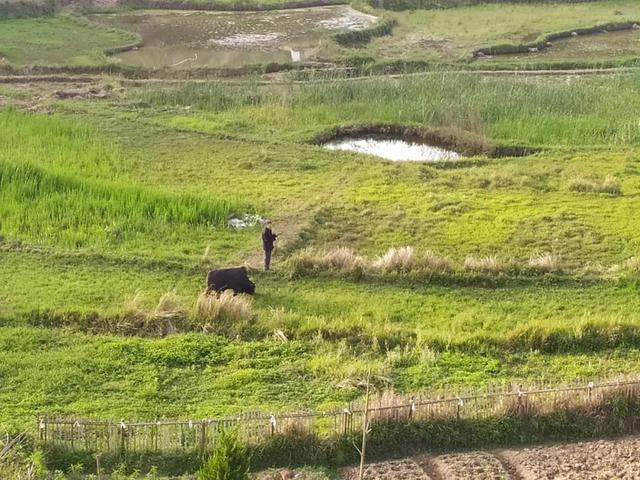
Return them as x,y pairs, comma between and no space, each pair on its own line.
99,475
365,428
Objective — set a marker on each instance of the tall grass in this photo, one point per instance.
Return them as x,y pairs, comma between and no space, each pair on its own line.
60,203
542,111
68,210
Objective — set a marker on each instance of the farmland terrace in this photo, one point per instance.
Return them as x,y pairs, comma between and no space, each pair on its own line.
514,259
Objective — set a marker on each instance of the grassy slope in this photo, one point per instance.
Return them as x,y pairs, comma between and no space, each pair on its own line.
194,375
510,207
57,41
454,33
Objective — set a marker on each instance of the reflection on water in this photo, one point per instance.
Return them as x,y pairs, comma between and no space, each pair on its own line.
393,149
232,39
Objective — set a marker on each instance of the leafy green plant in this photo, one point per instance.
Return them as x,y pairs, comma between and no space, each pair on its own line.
229,460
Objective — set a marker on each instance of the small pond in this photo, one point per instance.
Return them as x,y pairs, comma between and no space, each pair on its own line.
393,149
191,39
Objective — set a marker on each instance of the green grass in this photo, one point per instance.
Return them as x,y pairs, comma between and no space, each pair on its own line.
163,171
543,112
453,34
58,40
55,206
199,375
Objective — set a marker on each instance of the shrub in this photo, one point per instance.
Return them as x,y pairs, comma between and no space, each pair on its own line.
229,461
547,262
490,264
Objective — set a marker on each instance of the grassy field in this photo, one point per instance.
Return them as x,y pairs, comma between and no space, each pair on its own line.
107,204
451,34
57,41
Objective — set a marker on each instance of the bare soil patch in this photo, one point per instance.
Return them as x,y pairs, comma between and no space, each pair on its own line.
617,459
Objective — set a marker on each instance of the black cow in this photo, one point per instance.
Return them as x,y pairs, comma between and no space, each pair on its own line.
235,279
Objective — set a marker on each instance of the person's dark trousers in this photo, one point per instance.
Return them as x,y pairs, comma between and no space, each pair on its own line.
267,260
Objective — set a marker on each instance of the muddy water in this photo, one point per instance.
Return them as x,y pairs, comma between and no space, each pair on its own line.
393,149
232,39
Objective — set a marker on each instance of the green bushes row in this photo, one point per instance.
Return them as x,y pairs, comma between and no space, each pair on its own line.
26,9
399,5
360,37
543,42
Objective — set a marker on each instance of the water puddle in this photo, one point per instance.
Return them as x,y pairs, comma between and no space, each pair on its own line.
393,149
232,39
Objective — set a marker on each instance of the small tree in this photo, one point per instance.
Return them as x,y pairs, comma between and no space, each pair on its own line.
229,460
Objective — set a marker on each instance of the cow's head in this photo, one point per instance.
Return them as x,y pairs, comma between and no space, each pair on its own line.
251,288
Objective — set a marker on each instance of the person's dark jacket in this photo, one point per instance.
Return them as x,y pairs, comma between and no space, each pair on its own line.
268,237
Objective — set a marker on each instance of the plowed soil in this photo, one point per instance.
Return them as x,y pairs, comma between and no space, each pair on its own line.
596,460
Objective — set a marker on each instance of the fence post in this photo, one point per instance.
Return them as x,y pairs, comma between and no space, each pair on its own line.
590,387
42,428
273,423
123,428
460,404
346,414
203,437
520,399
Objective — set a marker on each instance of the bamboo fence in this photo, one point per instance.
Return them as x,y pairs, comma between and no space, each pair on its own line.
200,435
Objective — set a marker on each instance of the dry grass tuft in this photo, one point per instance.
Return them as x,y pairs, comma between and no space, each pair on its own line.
134,312
633,264
432,262
169,306
339,259
490,264
167,315
223,308
342,259
546,262
396,259
610,185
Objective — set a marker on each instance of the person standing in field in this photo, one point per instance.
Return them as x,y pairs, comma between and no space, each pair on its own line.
268,243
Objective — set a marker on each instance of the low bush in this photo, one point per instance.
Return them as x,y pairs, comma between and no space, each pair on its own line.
360,37
230,460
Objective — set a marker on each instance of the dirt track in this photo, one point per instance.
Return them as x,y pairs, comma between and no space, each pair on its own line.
596,460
